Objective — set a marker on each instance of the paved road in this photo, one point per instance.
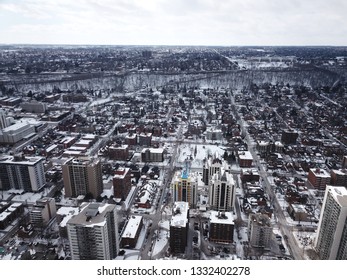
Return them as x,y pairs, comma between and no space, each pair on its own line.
146,252
285,229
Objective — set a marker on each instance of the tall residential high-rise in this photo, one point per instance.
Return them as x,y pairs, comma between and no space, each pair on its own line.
222,191
22,173
221,226
82,176
331,241
122,183
42,212
93,233
213,164
179,227
259,231
184,187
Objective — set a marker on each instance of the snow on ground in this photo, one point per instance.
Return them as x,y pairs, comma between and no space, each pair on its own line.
187,151
246,64
162,238
100,101
159,244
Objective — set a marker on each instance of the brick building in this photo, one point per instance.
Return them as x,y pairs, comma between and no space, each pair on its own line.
221,227
119,152
245,158
318,178
122,183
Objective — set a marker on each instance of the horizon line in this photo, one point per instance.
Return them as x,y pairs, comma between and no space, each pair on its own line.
164,45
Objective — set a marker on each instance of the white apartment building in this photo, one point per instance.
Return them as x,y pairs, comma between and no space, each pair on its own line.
19,172
93,233
222,191
331,241
213,164
260,231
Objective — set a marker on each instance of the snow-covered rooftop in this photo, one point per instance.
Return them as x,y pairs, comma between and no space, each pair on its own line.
132,226
217,217
180,214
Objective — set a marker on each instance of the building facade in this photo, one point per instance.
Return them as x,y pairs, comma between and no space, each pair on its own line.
245,158
212,165
259,231
213,134
221,226
179,227
145,139
331,241
43,211
118,152
82,176
184,187
4,120
131,232
22,173
10,212
222,191
289,137
339,177
34,107
122,183
93,233
131,140
318,178
152,155
17,132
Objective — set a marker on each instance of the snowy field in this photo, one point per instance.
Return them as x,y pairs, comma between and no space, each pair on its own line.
197,153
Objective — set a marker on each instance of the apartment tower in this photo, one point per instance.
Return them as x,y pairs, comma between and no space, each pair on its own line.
331,241
184,187
22,173
179,227
93,233
222,191
82,176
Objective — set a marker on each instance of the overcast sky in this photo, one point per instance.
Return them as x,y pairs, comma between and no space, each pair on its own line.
174,22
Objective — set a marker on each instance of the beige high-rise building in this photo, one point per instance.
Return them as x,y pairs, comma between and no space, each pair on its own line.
82,176
222,191
93,233
42,212
184,187
259,230
331,241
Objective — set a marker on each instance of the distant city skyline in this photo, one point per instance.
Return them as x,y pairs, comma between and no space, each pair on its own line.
179,22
